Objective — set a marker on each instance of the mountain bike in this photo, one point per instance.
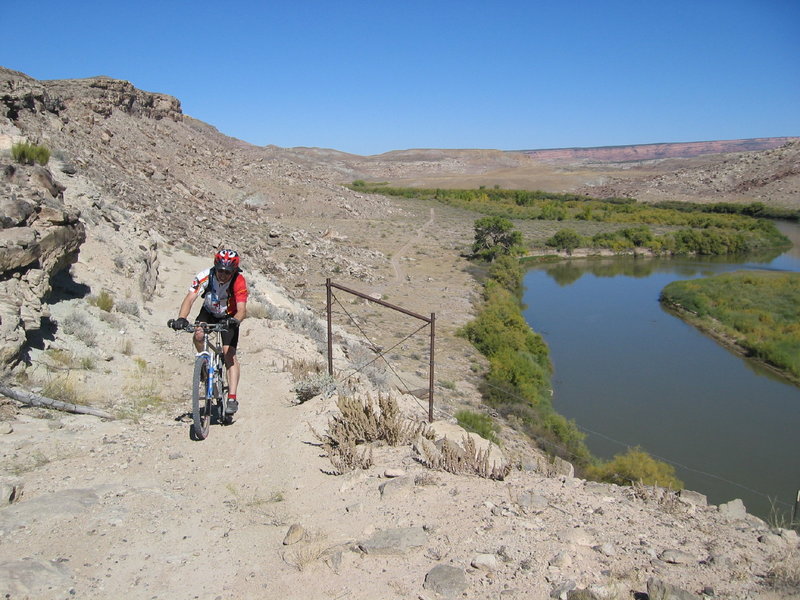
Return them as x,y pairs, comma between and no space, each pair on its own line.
210,380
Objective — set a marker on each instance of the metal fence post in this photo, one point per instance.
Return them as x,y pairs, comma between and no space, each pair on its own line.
433,362
330,329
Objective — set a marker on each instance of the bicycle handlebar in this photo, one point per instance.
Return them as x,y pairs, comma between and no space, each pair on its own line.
206,327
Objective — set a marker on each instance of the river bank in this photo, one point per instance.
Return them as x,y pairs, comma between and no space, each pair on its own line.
715,330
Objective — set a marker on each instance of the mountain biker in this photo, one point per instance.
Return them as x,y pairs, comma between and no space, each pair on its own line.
224,292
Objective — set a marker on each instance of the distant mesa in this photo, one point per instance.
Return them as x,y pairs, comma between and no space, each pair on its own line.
657,151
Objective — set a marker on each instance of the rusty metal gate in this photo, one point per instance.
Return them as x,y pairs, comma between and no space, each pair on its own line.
430,321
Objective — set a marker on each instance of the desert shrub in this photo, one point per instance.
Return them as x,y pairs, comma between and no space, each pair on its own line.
128,307
347,440
61,357
635,466
61,388
464,459
26,153
479,423
144,387
78,324
368,362
784,574
256,310
104,301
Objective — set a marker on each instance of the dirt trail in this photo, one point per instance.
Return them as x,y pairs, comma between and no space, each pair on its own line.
160,515
401,253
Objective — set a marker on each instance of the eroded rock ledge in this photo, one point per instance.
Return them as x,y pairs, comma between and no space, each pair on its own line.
39,236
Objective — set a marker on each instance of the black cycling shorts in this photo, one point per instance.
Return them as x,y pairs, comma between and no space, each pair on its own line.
230,337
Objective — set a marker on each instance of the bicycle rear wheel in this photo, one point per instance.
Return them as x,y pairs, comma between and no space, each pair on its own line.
201,401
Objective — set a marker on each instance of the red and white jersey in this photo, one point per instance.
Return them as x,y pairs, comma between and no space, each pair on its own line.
219,300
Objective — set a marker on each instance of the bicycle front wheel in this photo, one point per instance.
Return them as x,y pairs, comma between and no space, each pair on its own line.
201,401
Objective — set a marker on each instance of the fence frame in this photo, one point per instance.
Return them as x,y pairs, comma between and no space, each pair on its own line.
329,285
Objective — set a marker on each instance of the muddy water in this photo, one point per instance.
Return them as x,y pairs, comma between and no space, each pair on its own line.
631,374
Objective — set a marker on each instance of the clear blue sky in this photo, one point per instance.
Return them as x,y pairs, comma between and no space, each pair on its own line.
373,76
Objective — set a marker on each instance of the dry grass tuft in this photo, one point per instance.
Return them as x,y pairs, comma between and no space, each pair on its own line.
360,423
466,459
785,574
304,554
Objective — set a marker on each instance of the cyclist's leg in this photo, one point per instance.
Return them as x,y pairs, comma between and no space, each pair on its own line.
232,364
230,340
202,317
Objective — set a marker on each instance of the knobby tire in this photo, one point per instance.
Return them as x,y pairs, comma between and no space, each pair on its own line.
201,402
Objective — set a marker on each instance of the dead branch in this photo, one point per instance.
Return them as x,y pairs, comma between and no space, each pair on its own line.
36,400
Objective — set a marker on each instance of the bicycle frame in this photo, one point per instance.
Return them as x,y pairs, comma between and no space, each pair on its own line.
213,350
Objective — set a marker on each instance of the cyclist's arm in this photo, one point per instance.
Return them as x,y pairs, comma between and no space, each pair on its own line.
241,311
186,305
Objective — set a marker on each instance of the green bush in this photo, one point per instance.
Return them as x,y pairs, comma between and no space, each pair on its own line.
565,239
479,423
103,301
26,153
495,237
635,466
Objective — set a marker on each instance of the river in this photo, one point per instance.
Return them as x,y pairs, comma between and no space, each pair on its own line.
631,374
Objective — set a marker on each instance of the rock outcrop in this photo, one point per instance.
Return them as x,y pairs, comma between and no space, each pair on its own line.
40,236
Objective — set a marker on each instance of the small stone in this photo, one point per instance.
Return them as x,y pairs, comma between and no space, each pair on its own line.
677,557
6,428
561,560
391,473
606,549
396,487
446,580
770,539
734,510
657,588
485,562
294,535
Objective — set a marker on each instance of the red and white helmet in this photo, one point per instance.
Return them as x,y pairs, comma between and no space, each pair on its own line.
227,260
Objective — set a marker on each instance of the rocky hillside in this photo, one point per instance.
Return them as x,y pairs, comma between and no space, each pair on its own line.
770,176
134,199
656,151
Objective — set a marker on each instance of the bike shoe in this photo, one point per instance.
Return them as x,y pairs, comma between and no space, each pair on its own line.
232,406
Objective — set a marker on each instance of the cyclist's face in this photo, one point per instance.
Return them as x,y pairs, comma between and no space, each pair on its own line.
224,275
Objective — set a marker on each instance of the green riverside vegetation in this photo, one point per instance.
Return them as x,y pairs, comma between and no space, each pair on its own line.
518,385
687,228
518,381
756,311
